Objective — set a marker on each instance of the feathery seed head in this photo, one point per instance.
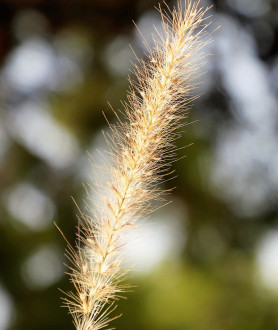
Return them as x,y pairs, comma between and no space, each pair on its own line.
141,149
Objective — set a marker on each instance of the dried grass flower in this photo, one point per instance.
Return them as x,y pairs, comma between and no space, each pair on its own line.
142,149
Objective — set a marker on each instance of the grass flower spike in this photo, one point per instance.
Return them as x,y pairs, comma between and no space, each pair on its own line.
142,149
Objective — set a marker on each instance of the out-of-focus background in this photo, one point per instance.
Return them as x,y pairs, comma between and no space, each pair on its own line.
207,261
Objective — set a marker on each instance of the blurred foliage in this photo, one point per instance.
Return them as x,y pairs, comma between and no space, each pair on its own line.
214,284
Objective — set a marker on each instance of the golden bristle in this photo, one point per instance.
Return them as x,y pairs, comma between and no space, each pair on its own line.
141,151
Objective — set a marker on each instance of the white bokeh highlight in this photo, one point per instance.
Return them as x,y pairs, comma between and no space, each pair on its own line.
244,166
32,125
160,237
30,206
43,267
267,260
6,309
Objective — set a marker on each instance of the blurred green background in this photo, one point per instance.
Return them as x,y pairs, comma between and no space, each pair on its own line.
207,261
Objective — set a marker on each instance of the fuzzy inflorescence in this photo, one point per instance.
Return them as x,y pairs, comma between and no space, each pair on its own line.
142,149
